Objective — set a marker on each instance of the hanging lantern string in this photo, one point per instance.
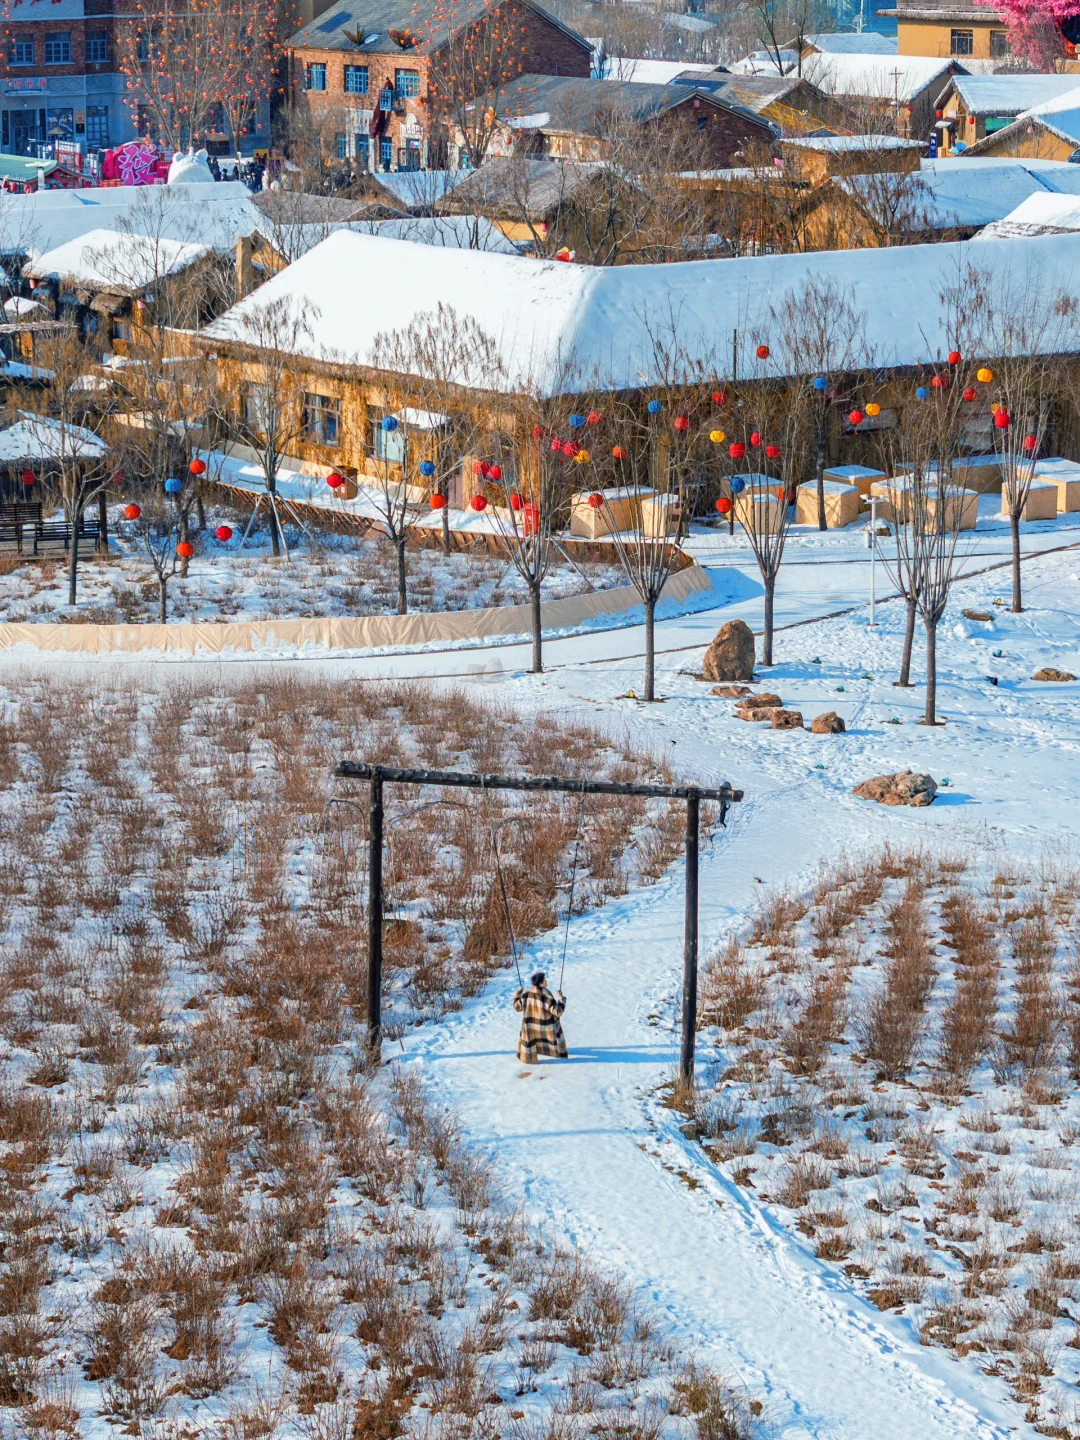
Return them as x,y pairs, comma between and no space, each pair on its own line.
573,877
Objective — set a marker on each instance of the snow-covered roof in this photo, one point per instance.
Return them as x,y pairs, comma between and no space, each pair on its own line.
1009,94
45,219
839,144
37,437
416,187
469,232
19,306
1066,99
106,260
848,42
547,318
651,72
897,78
763,62
1039,214
961,198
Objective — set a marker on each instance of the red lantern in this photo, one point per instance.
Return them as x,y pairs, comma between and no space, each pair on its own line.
762,352
437,501
682,422
719,397
954,357
618,453
197,467
334,480
479,502
516,502
856,417
1001,420
224,533
594,417
571,448
185,550
28,478
1030,443
494,472
596,500
939,382
556,445
478,467
755,437
969,393
132,512
773,452
737,451
538,430
723,505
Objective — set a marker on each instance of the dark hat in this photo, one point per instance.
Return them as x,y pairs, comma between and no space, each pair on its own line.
539,978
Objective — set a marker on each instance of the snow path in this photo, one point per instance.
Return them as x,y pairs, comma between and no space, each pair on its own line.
581,1148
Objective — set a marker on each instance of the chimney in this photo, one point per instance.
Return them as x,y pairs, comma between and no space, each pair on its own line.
245,270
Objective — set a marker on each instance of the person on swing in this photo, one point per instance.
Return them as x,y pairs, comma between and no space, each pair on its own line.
541,1032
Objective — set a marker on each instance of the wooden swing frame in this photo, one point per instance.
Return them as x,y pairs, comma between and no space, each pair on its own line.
380,775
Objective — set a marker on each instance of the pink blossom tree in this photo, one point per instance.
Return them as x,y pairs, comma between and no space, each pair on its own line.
1035,28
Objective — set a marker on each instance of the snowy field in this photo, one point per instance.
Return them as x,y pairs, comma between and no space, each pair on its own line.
590,1151
326,574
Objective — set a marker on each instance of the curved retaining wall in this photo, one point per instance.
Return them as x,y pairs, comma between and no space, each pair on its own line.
345,633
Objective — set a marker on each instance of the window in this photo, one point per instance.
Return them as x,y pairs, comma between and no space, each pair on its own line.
89,323
21,52
97,47
58,48
257,408
363,150
386,445
315,77
356,79
322,419
341,144
407,83
962,42
97,127
121,329
386,152
999,44
142,47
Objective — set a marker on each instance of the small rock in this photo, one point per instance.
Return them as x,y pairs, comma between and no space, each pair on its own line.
730,692
903,788
731,654
757,707
1049,673
828,724
977,615
787,719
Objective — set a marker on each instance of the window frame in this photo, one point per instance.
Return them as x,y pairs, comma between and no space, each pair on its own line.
410,89
98,138
61,39
14,45
361,74
322,419
96,38
386,151
966,37
389,446
999,45
315,69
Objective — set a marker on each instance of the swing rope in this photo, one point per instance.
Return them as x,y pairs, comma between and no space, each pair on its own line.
573,878
502,885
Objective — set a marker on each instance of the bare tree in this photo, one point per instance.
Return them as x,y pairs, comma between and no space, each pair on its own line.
78,463
477,47
157,531
428,422
822,333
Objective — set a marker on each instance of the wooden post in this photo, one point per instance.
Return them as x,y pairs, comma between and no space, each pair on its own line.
375,917
690,942
103,520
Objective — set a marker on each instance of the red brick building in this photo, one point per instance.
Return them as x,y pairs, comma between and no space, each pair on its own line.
364,66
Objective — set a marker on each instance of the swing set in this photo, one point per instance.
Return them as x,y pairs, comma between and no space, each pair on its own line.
380,775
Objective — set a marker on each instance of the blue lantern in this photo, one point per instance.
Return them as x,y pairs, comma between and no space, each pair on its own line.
922,393
821,382
654,407
576,422
738,484
389,423
173,487
427,468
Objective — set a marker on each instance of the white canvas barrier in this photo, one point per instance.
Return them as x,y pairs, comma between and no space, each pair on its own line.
343,632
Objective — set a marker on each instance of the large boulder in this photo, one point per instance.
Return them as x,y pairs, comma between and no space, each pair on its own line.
1060,677
787,719
903,788
828,724
731,654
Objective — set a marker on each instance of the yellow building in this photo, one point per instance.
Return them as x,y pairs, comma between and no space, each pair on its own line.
962,32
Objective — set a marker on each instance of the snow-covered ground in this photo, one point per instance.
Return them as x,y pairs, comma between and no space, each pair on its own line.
325,574
585,1145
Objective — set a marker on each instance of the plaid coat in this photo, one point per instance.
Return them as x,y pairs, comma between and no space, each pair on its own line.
541,1033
